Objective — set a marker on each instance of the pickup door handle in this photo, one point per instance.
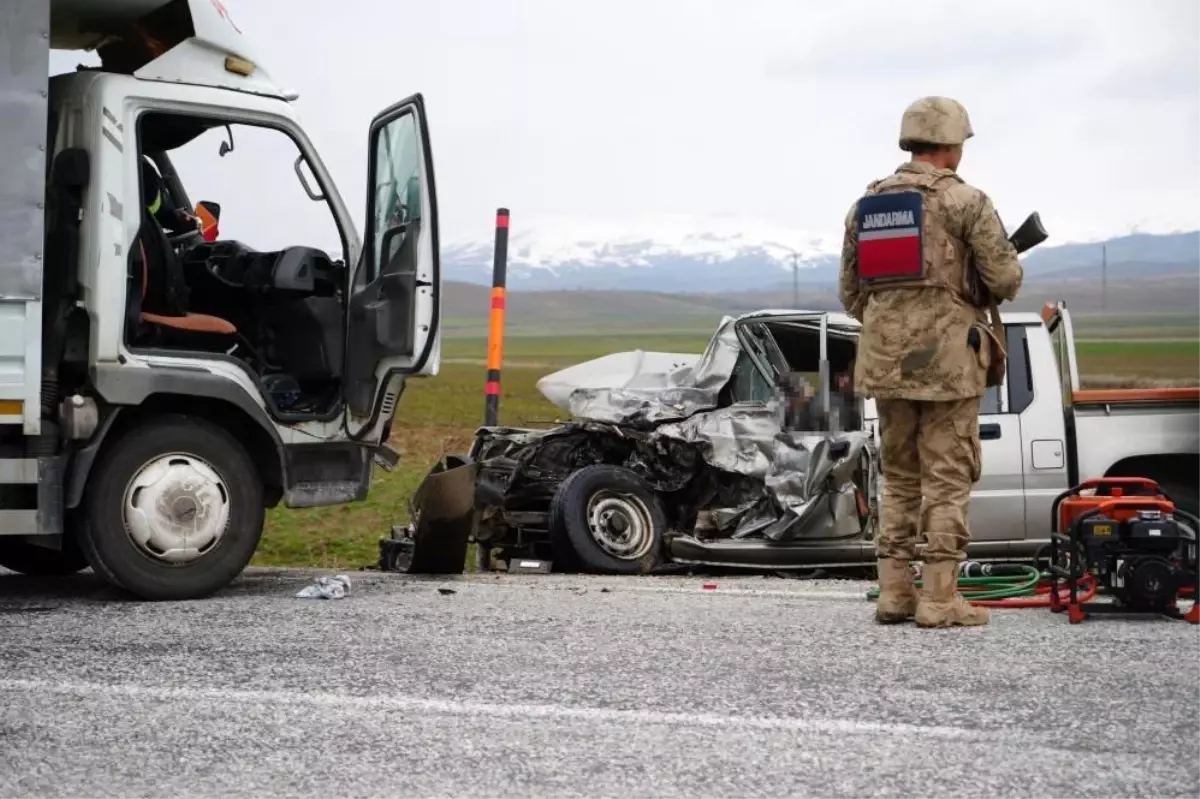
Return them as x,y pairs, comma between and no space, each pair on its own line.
989,431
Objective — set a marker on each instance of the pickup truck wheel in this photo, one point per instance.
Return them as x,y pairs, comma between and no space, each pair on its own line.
175,510
612,519
24,557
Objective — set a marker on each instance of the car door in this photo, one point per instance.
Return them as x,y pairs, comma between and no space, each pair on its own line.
393,327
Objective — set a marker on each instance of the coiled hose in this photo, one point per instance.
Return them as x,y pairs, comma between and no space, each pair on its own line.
1014,586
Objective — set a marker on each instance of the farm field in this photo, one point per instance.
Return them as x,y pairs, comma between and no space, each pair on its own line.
439,415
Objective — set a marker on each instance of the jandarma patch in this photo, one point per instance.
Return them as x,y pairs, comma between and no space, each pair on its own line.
889,237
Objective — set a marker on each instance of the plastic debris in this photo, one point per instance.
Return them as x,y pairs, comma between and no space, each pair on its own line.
446,591
334,587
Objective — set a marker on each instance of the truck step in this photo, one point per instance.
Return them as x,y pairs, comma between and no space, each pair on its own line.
19,522
18,470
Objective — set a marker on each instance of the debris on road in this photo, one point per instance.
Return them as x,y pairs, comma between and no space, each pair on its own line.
335,587
446,591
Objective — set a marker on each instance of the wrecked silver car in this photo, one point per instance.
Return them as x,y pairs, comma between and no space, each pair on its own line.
748,455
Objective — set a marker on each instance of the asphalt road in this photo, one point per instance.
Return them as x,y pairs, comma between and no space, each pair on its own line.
568,686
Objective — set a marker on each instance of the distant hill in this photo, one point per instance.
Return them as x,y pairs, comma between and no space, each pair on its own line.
545,312
689,256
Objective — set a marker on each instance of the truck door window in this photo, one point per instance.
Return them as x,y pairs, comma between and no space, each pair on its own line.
397,193
263,203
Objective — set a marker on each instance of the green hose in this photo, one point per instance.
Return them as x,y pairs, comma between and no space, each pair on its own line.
993,587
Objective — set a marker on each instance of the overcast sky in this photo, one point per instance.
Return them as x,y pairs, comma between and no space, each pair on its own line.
1088,111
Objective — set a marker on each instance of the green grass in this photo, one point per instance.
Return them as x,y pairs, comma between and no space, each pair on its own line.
439,415
566,350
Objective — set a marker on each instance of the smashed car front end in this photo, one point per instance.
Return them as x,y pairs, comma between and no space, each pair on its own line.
737,485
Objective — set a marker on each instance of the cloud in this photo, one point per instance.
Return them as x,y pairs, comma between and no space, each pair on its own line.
779,111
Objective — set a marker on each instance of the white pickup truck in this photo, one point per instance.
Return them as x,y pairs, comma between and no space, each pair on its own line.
1043,433
161,385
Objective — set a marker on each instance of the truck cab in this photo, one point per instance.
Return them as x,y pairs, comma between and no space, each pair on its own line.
171,368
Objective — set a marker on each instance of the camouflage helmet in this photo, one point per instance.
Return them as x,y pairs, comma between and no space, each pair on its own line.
935,120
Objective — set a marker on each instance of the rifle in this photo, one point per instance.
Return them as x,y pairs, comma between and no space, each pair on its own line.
1030,234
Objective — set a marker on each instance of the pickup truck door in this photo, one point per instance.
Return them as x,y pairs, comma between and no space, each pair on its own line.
393,327
997,510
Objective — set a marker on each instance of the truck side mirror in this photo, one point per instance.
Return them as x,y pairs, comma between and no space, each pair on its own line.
209,214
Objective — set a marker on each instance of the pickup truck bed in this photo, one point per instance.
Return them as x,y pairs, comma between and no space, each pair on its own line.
1042,434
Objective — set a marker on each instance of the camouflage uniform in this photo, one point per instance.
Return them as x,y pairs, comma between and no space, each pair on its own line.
916,359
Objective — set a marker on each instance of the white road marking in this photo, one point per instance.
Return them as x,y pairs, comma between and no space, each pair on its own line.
519,710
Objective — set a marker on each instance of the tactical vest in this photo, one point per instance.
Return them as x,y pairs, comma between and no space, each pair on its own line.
902,237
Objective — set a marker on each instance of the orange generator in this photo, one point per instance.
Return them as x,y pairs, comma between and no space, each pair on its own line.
1127,534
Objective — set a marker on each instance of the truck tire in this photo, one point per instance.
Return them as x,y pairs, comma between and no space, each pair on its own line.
24,557
174,510
612,519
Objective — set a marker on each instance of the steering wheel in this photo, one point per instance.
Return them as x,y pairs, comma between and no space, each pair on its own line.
214,270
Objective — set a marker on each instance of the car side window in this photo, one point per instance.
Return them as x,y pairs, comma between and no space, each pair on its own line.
748,384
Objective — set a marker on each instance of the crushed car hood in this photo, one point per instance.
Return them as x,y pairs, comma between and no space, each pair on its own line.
640,387
676,395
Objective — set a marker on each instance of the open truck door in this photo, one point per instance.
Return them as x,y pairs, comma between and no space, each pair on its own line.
393,325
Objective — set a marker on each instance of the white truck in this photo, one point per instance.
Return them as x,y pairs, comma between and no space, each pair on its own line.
160,386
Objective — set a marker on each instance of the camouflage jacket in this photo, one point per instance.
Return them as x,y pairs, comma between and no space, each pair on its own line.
914,342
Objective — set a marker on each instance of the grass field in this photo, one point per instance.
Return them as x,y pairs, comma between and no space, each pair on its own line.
439,415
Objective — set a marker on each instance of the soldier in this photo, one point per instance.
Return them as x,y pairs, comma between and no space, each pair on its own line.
919,249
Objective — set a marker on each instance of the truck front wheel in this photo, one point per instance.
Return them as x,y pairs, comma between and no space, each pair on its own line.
174,510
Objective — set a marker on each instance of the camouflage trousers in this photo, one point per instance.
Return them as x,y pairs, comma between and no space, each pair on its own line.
930,459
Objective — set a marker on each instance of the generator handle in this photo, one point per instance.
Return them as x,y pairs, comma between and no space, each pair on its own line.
1122,503
1102,482
1118,482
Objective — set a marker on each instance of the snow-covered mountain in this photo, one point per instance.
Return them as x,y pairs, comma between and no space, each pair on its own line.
723,254
666,254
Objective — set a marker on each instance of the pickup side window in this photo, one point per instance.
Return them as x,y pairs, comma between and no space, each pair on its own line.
991,401
1020,374
1018,387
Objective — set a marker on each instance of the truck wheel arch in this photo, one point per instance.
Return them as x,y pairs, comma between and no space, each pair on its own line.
1177,473
134,399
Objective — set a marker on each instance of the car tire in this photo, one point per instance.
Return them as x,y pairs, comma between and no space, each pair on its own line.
23,557
612,520
174,510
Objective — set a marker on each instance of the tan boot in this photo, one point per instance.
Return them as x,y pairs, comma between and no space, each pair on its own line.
897,596
941,605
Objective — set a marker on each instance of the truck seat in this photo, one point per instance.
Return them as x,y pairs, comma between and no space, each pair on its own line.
186,322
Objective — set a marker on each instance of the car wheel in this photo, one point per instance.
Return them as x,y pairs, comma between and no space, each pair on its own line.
21,556
175,510
613,521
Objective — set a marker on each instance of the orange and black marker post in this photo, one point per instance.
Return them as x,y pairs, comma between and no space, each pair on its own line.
495,352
